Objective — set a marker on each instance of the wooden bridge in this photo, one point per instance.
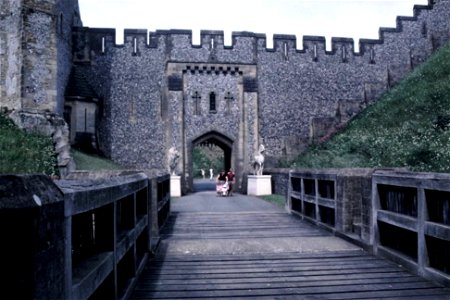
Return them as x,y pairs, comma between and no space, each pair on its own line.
122,236
243,247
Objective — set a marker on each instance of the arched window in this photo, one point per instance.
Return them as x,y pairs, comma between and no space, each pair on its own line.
212,102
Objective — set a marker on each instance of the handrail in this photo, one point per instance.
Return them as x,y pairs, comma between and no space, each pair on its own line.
400,215
86,236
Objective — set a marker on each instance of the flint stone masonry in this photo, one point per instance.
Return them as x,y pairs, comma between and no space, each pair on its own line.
35,63
36,53
285,97
280,181
291,97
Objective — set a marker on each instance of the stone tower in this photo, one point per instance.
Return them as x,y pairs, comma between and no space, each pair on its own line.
35,61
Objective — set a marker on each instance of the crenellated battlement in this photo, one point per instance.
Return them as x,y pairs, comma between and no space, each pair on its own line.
215,39
313,48
102,40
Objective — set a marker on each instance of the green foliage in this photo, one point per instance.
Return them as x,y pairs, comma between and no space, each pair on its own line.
408,127
25,153
206,158
85,161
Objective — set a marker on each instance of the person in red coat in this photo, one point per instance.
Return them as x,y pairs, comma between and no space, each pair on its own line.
230,176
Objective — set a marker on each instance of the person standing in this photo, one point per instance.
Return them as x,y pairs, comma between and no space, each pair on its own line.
230,177
203,173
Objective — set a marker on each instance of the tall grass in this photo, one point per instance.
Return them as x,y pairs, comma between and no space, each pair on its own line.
408,127
25,153
28,153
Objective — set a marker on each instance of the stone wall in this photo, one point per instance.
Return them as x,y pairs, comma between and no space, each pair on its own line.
293,97
10,50
35,62
45,34
280,181
301,88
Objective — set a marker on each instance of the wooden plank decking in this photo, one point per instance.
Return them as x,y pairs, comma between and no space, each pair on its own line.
268,255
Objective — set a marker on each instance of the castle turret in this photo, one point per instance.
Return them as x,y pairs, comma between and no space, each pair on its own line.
35,62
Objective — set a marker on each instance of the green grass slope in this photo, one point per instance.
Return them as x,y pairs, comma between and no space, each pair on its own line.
88,162
408,127
25,153
28,153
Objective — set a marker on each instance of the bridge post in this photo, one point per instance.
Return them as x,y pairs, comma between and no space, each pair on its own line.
33,234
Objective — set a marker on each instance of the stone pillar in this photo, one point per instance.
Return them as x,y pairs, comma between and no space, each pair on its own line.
175,186
259,185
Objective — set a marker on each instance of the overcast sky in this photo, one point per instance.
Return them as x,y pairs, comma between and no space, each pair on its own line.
330,18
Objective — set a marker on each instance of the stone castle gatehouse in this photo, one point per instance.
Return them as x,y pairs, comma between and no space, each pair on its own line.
156,91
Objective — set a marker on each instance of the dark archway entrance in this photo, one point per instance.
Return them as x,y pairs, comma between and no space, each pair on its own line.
217,139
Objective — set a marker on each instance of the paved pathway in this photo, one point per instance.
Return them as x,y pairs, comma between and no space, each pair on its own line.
244,247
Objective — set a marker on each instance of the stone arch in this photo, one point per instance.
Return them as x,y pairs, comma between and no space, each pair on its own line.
218,139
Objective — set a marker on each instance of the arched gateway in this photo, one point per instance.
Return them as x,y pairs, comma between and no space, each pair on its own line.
219,140
212,104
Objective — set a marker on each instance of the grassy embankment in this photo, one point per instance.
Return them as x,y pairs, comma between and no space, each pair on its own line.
408,127
24,153
28,153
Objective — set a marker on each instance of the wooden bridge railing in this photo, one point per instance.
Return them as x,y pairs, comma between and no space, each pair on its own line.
403,216
81,238
411,221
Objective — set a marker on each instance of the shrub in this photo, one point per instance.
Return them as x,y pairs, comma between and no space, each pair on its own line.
25,153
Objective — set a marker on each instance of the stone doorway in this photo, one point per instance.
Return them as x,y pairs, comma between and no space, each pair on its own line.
218,140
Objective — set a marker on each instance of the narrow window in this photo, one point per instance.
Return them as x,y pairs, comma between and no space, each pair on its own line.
61,23
212,102
103,45
134,45
285,51
315,53
212,44
424,30
344,54
372,56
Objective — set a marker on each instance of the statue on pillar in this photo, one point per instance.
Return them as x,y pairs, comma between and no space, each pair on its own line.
173,158
258,163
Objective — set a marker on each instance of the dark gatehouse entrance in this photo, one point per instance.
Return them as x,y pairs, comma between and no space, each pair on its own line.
219,140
